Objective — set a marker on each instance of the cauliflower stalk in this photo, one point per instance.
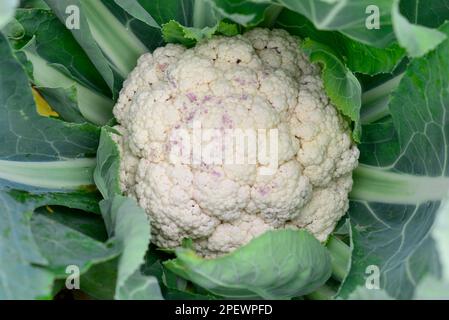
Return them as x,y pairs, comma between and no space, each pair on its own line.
258,80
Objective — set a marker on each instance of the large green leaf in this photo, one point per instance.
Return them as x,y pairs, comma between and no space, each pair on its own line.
122,278
418,40
357,56
394,205
431,286
27,140
341,85
349,16
279,264
61,70
98,34
56,45
26,135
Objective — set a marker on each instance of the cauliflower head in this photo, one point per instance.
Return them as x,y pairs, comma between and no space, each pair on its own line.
258,80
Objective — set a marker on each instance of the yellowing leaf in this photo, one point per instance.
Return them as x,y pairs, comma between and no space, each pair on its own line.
42,107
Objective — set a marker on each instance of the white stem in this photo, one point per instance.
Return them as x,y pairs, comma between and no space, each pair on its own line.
375,184
70,174
375,101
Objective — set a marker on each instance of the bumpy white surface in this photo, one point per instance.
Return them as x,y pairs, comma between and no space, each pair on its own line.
258,80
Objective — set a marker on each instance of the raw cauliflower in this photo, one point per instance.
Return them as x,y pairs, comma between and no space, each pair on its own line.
258,80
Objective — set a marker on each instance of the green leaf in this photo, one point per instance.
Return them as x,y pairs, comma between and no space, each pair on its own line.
227,29
357,56
362,293
108,164
371,60
63,246
173,32
20,254
56,45
399,200
61,70
427,13
38,154
279,264
165,10
14,30
73,101
379,145
98,34
127,225
139,287
82,200
341,85
172,286
432,287
83,220
134,8
26,135
64,102
22,259
129,228
347,17
418,40
99,281
246,13
150,36
7,8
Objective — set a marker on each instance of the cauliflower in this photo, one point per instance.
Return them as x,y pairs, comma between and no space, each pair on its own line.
258,80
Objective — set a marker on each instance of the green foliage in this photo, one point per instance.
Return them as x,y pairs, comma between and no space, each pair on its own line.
305,267
341,85
174,32
418,40
400,198
51,167
7,8
106,173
